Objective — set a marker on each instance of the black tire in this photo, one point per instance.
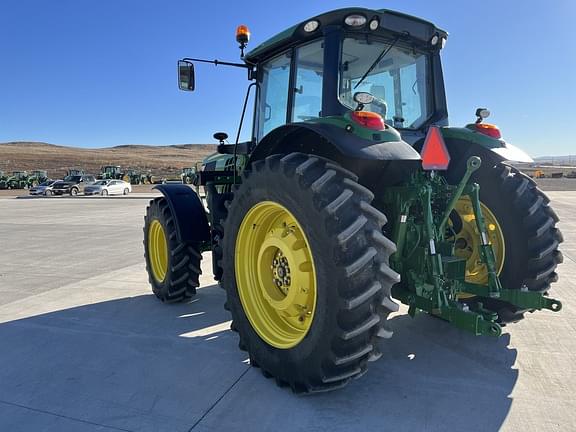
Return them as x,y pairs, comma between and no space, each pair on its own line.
48,193
182,277
73,191
530,235
219,212
353,277
104,192
125,192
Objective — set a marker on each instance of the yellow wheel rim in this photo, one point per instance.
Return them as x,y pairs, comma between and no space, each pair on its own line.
157,250
467,241
275,275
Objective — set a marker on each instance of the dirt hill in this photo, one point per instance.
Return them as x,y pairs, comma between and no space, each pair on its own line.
161,160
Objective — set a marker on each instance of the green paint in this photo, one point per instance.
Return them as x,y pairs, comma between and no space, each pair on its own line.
348,125
467,134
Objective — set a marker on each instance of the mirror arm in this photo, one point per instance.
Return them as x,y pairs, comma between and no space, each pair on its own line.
218,62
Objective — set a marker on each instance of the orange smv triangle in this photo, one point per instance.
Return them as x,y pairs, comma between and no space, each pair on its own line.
434,154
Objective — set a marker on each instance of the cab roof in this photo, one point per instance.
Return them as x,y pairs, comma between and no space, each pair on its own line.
391,22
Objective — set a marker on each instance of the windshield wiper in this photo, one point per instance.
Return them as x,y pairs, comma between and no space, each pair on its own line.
378,60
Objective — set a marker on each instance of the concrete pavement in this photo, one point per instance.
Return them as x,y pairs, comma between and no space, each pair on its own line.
84,346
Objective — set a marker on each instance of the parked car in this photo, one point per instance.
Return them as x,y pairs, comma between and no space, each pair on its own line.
108,187
44,188
72,185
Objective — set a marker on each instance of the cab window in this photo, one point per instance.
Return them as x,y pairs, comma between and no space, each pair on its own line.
274,94
308,89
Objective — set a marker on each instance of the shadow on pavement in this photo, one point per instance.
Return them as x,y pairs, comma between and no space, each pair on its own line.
136,364
431,377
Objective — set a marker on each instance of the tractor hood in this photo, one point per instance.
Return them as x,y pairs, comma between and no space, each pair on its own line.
420,31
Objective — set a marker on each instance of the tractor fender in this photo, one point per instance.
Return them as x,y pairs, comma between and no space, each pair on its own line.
512,153
189,213
499,148
331,141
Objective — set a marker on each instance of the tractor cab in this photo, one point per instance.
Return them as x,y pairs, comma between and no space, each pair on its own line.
349,61
19,175
111,169
110,172
36,177
328,69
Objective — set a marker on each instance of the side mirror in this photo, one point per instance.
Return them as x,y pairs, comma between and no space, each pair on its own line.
186,75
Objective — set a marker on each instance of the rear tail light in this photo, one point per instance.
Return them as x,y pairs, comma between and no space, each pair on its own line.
368,119
435,155
488,129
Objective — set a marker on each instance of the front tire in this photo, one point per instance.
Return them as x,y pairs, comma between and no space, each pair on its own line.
335,251
173,267
73,192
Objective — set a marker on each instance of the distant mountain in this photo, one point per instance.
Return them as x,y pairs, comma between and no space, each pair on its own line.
160,160
557,160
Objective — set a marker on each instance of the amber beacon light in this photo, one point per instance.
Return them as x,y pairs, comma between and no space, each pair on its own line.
242,36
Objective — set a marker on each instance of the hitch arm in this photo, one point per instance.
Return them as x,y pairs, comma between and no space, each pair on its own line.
523,299
472,165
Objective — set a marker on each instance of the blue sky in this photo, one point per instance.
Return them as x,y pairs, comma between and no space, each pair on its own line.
97,73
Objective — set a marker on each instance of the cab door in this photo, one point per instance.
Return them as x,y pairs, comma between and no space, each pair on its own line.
291,86
274,84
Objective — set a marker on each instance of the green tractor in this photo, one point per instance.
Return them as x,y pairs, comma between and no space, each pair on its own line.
36,177
3,178
135,177
353,192
188,175
18,180
110,172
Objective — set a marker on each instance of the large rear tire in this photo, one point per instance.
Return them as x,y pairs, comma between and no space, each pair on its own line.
332,239
173,267
528,226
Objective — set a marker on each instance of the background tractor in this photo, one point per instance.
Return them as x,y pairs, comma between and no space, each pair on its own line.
188,175
135,177
18,180
110,172
353,193
36,177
